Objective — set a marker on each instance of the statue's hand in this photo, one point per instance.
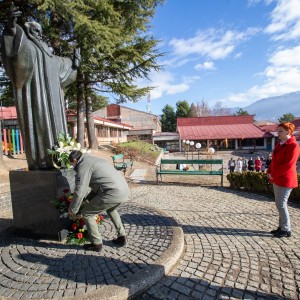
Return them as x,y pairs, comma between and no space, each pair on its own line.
76,58
14,13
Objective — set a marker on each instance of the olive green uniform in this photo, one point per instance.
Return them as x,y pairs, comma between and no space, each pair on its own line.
109,189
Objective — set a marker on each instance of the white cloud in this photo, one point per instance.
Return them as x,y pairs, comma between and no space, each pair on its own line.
164,84
282,76
213,44
285,20
207,65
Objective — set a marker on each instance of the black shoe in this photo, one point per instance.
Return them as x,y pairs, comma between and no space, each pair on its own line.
121,241
275,230
92,247
283,233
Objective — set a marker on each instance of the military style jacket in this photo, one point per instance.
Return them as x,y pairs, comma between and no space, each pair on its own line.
96,174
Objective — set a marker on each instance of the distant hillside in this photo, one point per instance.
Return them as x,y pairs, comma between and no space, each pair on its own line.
273,108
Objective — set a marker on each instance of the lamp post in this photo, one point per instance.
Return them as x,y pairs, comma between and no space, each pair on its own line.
188,148
192,144
211,151
183,145
198,146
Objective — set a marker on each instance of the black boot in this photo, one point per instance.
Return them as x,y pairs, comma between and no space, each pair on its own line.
92,247
120,241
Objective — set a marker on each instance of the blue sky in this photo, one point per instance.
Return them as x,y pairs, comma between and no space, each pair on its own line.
233,52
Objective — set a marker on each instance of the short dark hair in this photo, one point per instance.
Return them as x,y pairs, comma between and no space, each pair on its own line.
75,155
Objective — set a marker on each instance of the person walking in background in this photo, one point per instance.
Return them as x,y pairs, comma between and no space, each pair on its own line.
258,164
239,165
263,163
231,165
108,190
250,164
282,173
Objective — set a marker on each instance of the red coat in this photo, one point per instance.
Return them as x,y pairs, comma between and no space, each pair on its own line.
283,165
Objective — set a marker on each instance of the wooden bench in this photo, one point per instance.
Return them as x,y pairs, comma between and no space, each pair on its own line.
195,167
120,163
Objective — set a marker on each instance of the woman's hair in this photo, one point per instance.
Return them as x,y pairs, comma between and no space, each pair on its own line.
75,155
290,127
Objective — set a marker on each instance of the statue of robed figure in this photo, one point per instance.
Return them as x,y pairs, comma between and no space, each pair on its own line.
38,78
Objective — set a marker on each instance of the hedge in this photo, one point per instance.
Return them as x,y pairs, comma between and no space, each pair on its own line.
256,182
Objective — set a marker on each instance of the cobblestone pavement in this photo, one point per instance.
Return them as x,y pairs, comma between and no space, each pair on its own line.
229,253
31,269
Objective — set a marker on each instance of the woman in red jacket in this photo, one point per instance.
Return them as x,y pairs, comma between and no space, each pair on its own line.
282,173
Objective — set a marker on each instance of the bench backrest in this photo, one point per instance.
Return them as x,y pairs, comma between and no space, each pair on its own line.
118,157
192,161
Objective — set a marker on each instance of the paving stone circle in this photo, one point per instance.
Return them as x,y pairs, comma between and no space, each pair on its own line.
31,269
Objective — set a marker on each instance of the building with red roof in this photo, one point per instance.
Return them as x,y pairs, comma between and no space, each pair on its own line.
221,132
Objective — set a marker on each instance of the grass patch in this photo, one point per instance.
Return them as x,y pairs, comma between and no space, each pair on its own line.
139,151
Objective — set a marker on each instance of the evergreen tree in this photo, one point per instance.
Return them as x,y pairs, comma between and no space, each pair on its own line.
241,112
182,109
288,117
168,119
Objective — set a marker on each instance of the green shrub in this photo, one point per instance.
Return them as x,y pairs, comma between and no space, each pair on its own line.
256,182
138,150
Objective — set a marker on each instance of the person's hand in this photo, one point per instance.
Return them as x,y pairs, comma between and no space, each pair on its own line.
72,215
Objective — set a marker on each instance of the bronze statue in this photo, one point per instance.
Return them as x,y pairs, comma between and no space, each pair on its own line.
38,78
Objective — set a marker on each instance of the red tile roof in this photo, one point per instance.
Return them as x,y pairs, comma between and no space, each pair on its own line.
231,127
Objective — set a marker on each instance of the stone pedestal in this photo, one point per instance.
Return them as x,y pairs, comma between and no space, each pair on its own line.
32,196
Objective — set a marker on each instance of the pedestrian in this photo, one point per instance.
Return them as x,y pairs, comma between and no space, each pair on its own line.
108,190
250,164
268,161
239,165
231,165
258,164
244,168
282,173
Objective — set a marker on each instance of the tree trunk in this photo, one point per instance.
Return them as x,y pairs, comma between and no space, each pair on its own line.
80,110
93,143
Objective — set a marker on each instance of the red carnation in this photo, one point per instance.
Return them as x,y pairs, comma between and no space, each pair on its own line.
66,191
79,235
97,221
74,226
101,217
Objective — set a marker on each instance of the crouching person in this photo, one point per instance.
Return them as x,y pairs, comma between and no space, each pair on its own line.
108,190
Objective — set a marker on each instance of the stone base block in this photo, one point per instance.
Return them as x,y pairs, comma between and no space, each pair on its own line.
32,195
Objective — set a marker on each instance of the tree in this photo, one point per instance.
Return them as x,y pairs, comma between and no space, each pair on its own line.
168,119
203,109
182,109
220,110
289,117
241,112
193,111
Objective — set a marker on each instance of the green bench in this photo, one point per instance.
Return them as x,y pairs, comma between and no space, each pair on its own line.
120,163
195,167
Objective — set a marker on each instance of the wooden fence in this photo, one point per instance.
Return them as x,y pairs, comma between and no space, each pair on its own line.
12,142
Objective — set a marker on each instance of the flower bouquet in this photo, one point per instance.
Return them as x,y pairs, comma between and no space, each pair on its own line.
60,152
77,231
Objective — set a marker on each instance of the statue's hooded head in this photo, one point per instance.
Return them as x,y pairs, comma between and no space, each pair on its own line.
34,29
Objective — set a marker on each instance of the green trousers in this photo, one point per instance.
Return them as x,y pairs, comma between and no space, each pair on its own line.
93,208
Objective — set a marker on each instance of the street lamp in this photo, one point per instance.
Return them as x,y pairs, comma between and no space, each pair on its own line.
198,146
188,148
183,145
211,151
192,144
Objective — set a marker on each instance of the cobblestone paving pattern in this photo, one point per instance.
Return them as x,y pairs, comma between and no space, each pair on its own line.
31,269
229,252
